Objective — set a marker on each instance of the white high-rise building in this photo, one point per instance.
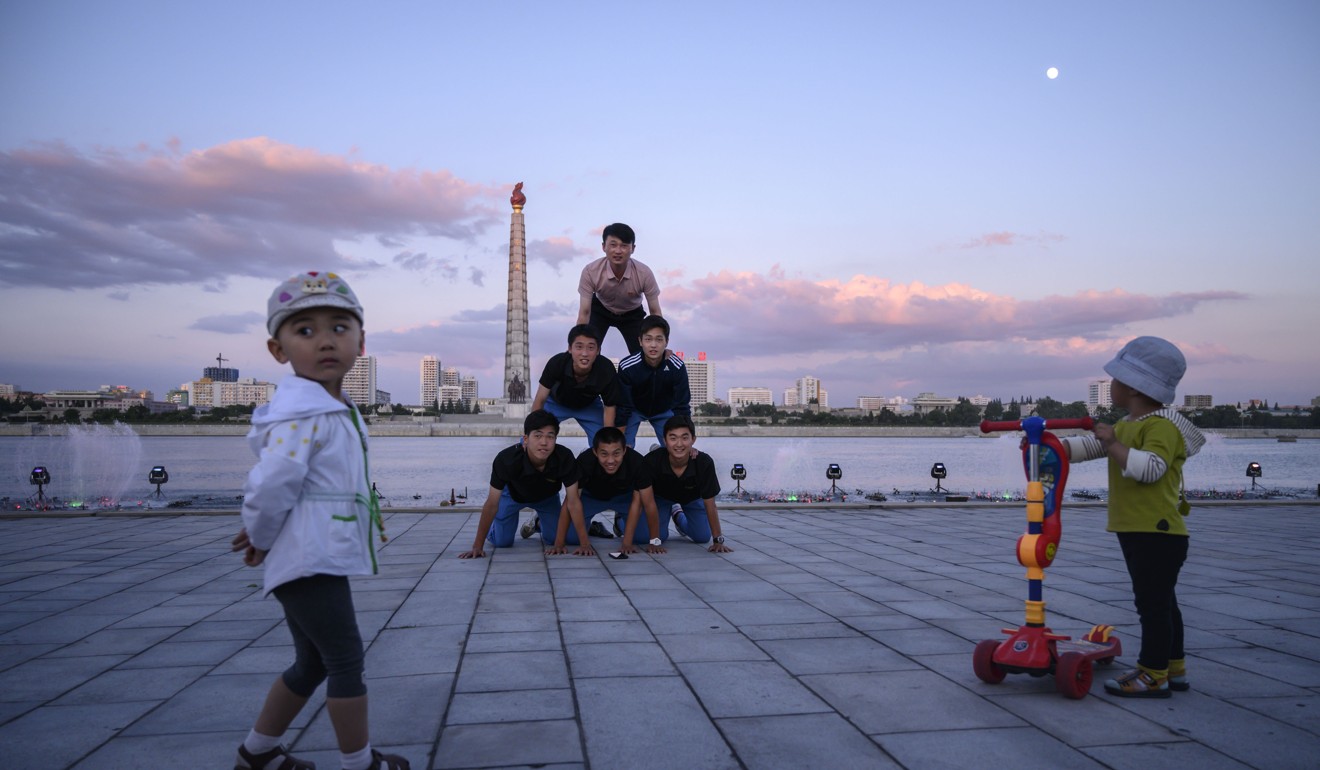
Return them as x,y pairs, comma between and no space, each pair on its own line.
468,386
871,403
1097,395
360,381
450,394
430,381
791,397
809,390
208,393
449,376
745,396
701,379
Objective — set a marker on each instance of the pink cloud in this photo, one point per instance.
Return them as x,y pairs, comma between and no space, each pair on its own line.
790,315
252,207
1007,238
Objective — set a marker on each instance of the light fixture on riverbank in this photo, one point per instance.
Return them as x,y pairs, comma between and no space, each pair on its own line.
833,473
738,474
937,472
158,476
41,477
1253,473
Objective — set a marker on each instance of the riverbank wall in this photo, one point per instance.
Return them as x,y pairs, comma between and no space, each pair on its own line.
513,428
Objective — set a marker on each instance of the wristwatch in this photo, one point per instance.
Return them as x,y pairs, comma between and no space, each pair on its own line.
719,539
656,541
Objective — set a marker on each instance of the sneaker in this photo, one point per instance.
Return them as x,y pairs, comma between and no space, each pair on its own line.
598,530
532,526
267,760
618,526
673,513
1179,683
381,761
1138,684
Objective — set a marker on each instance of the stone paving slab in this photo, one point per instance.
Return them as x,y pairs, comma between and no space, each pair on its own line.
831,637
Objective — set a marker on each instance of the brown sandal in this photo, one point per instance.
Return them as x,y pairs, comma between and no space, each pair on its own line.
264,761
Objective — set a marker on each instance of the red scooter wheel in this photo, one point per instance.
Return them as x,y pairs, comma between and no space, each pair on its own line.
1072,676
983,662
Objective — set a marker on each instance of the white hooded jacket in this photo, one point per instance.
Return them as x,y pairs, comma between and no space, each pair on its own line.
308,499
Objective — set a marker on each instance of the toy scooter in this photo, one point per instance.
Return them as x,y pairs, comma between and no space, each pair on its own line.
1033,648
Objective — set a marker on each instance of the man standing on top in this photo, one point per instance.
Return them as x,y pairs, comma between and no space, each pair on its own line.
611,288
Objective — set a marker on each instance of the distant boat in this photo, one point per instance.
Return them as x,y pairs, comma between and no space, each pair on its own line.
1288,439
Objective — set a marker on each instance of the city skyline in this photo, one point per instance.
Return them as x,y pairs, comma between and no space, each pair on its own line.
892,198
444,383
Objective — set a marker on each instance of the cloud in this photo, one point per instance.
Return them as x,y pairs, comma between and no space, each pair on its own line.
477,276
1006,238
252,207
233,323
789,315
119,296
556,251
420,263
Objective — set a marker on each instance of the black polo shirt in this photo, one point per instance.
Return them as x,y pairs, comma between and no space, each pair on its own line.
526,484
632,475
571,394
698,482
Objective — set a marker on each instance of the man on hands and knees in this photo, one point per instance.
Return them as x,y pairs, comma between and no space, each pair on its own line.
653,382
529,475
685,483
580,384
614,477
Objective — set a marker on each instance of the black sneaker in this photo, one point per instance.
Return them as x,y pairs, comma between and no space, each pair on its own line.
532,526
267,759
598,530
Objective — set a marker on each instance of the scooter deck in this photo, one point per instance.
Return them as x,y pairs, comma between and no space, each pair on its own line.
1092,650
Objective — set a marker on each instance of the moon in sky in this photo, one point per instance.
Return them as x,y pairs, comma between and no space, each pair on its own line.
1052,73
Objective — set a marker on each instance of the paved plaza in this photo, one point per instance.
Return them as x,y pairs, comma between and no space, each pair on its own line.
833,637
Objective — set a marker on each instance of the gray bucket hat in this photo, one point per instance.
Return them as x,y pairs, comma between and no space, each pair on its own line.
1149,365
311,289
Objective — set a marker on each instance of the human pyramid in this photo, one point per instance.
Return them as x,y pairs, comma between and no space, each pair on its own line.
672,482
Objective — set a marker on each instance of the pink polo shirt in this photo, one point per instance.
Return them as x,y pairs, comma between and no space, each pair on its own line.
619,295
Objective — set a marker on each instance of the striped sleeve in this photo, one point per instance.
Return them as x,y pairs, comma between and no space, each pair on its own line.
1145,467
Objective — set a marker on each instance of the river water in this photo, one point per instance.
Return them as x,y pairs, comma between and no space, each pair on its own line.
209,472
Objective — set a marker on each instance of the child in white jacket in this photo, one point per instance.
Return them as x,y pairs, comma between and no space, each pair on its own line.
308,510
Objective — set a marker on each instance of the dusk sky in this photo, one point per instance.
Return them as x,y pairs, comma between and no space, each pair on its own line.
890,196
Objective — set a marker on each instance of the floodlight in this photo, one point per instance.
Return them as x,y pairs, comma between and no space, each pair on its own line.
158,476
937,472
833,473
1253,473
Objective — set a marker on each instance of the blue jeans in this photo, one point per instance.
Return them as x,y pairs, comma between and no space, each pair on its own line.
505,526
590,507
591,417
693,520
657,424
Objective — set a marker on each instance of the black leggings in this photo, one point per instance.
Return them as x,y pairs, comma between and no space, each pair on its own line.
1153,561
319,611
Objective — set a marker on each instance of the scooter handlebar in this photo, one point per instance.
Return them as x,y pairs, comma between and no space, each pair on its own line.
1084,423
